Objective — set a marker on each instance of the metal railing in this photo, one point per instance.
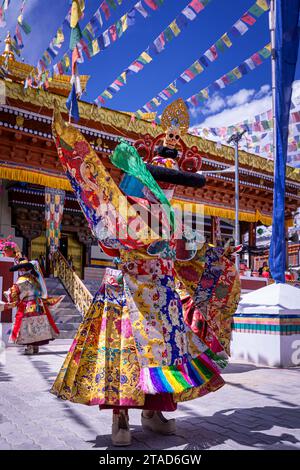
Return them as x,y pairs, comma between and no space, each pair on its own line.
78,292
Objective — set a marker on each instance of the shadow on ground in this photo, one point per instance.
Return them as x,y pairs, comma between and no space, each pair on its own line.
242,427
4,376
251,427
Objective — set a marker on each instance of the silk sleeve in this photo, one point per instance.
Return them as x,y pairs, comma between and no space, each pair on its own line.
210,282
113,221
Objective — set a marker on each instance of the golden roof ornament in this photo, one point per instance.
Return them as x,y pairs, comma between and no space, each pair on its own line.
176,115
8,52
175,121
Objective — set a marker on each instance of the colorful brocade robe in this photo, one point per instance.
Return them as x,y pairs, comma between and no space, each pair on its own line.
33,322
143,335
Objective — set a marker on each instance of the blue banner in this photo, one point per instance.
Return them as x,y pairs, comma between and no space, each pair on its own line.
286,46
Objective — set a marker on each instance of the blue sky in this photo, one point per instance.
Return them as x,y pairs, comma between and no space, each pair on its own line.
238,101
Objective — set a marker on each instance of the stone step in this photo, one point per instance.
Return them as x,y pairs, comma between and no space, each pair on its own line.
67,318
67,334
68,326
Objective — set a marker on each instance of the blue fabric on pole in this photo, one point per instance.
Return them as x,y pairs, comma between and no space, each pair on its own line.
72,104
286,44
132,186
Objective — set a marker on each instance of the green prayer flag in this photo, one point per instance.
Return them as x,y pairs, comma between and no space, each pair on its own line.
75,36
168,34
256,10
112,4
220,45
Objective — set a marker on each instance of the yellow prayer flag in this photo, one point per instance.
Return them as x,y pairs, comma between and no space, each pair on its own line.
60,36
236,72
269,47
263,4
155,101
123,75
204,92
124,23
107,94
175,28
146,57
67,61
95,46
226,40
172,86
76,12
198,67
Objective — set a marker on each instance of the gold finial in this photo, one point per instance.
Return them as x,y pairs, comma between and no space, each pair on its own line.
8,52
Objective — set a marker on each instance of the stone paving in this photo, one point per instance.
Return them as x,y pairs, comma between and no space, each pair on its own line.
258,408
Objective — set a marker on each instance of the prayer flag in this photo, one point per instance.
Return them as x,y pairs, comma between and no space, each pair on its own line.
124,23
145,58
168,34
189,13
151,4
113,32
175,28
247,18
98,17
196,5
95,45
241,27
140,9
112,4
264,4
226,40
105,9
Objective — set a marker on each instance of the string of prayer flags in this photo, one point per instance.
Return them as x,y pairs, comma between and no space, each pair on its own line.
94,26
239,28
77,10
189,13
3,9
230,77
55,45
17,42
25,26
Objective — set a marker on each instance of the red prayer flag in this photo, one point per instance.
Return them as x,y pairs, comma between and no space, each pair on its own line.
104,7
60,68
196,5
296,116
189,73
256,59
247,18
213,50
75,57
113,32
151,4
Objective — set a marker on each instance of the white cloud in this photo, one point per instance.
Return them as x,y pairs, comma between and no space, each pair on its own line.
241,97
239,113
214,104
264,89
245,104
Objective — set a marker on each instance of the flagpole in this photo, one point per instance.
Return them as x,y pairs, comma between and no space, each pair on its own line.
272,18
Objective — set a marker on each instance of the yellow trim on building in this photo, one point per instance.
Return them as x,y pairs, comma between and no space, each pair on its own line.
229,213
34,177
99,262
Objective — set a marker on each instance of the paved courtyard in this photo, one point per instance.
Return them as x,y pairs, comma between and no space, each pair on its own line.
259,408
